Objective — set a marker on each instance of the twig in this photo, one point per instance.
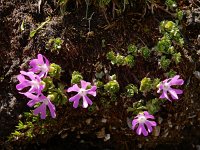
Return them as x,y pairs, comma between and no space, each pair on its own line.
89,19
87,5
157,6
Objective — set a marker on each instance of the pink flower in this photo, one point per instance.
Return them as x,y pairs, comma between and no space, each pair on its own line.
29,79
82,92
166,88
40,66
46,102
144,124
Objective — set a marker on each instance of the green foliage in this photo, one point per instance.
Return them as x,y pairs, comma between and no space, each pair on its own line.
171,31
132,49
163,45
33,32
176,57
145,51
146,85
153,105
76,77
129,60
137,107
155,82
171,4
120,60
26,129
63,5
103,3
93,107
131,90
48,84
99,84
57,95
55,71
179,14
171,73
54,44
112,87
164,62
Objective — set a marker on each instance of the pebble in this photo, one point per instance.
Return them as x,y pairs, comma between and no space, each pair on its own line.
156,131
88,121
169,123
193,116
160,120
107,137
166,132
103,120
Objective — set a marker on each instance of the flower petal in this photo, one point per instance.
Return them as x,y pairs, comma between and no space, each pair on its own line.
173,93
176,81
21,78
74,88
84,84
42,110
166,96
52,109
162,96
75,98
31,96
40,59
147,115
22,85
76,102
86,101
46,61
144,131
178,91
134,123
92,91
149,126
31,75
31,103
153,123
139,129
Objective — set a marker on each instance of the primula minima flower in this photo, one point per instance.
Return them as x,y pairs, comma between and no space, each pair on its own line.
29,79
40,65
46,102
82,92
144,125
165,86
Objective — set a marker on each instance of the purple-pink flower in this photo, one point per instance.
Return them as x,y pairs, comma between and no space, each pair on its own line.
29,79
46,102
82,92
165,87
40,66
143,122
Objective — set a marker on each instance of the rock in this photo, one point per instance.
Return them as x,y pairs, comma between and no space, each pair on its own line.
156,131
101,133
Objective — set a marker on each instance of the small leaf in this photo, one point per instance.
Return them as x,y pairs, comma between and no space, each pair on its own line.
32,33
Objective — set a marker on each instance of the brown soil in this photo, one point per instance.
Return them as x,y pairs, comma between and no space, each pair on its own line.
82,52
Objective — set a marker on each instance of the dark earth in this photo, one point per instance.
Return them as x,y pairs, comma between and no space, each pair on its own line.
82,51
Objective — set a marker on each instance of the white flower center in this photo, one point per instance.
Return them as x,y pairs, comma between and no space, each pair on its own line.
166,86
82,92
46,102
35,84
141,119
43,68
